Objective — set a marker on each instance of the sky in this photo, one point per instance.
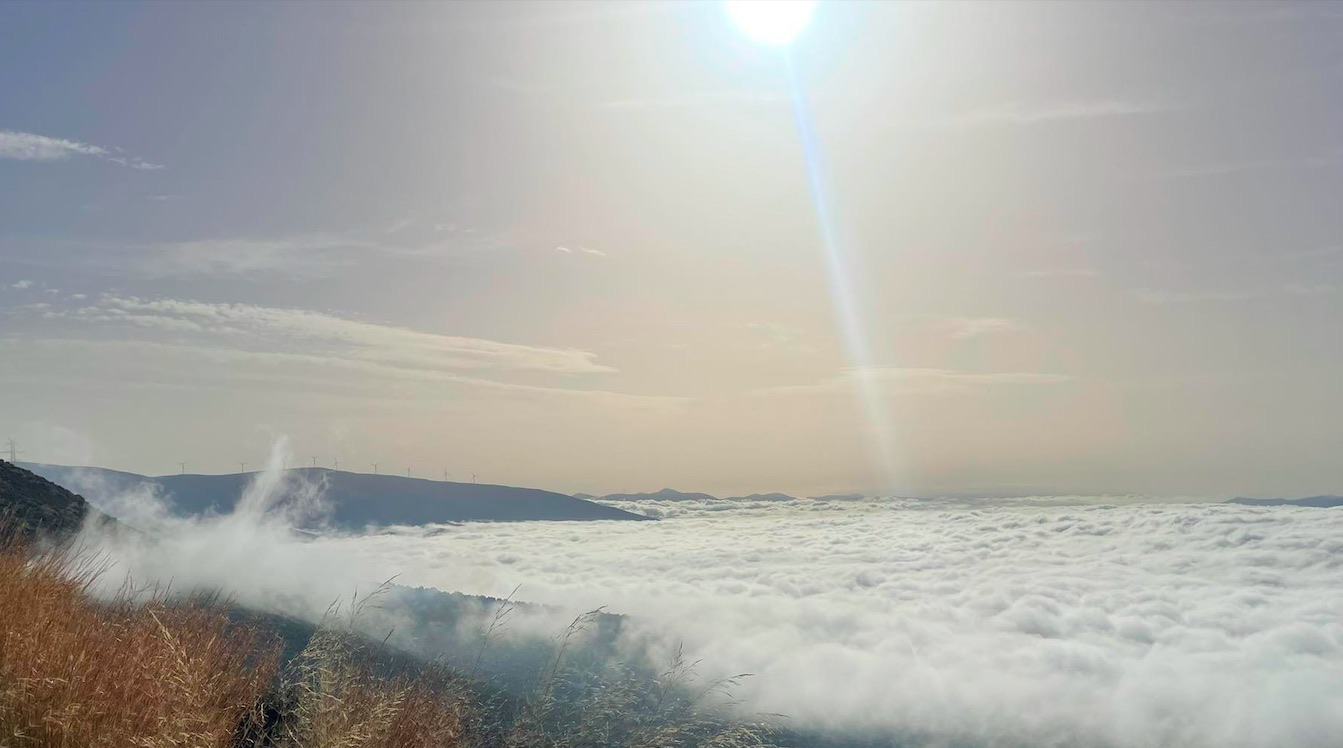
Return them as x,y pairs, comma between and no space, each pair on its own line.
1054,247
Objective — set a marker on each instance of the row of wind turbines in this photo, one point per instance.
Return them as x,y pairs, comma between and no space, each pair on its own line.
13,448
335,465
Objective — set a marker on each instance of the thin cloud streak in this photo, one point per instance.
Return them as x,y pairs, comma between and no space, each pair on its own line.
1024,113
205,366
1290,291
1058,273
27,146
367,341
918,381
702,98
965,328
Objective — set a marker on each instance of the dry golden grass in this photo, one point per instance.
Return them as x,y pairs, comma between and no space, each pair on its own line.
336,701
81,673
75,672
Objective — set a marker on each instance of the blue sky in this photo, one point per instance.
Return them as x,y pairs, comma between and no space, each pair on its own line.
1095,247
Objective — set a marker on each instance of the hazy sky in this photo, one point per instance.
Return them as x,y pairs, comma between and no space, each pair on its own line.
1090,247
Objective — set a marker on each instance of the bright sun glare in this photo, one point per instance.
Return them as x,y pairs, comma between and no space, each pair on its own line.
776,22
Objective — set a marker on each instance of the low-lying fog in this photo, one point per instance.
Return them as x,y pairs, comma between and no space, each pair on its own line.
988,622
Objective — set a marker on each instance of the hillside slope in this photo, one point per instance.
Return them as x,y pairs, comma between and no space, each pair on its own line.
37,506
356,500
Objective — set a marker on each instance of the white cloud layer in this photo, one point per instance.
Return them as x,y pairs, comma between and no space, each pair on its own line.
997,623
1003,623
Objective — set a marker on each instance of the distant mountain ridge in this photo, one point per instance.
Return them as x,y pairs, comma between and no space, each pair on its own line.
666,494
671,494
355,500
1320,502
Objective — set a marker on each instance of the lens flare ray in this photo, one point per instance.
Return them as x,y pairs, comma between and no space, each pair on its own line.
872,400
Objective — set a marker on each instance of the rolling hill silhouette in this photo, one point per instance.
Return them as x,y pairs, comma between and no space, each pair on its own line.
1319,502
355,500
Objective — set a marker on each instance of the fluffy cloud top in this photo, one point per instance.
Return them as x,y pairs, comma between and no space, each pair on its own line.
980,624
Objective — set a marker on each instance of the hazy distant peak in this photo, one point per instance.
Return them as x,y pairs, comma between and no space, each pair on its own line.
666,494
775,496
1322,502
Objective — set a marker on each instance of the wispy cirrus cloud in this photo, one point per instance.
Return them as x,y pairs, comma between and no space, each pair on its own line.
1079,272
243,257
696,99
774,336
1288,291
27,146
964,328
273,328
1029,113
581,250
918,381
220,365
310,255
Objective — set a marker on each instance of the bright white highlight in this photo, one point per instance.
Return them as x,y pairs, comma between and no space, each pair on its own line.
776,22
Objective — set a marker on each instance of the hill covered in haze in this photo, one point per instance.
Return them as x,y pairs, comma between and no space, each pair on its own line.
1310,501
354,500
671,494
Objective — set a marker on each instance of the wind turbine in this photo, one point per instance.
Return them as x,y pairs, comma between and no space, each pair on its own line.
473,477
314,461
375,468
242,467
183,465
407,472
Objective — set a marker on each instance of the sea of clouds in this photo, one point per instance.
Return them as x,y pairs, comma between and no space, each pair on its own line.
1042,623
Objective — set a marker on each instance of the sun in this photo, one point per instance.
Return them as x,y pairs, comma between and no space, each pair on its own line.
774,22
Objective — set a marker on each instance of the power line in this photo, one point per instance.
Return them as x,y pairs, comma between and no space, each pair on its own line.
13,450
314,461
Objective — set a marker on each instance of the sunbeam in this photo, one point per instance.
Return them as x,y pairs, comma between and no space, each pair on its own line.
871,400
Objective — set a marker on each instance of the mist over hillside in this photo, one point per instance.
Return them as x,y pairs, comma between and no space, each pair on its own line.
348,501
